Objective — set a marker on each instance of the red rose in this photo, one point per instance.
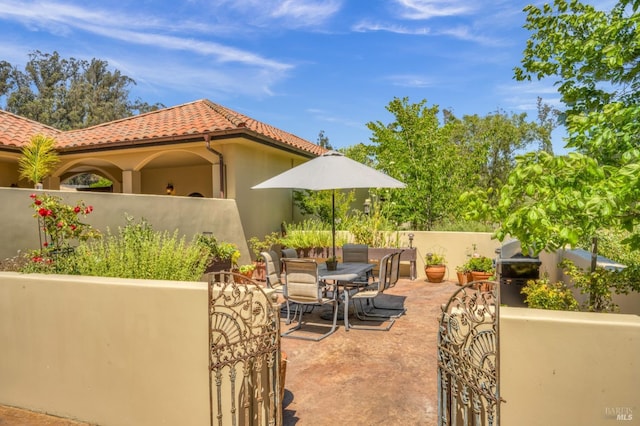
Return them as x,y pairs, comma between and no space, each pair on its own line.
88,210
45,244
77,209
33,195
43,212
37,202
73,227
60,224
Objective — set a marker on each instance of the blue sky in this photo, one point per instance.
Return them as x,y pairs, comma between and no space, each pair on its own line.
300,65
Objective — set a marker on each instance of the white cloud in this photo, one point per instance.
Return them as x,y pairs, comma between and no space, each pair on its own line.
427,9
366,26
54,16
411,80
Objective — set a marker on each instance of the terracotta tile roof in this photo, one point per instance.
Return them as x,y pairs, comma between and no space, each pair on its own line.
190,120
15,131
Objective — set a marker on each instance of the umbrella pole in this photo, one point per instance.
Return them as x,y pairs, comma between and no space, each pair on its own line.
333,220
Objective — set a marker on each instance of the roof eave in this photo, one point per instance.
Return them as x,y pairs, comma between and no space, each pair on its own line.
213,135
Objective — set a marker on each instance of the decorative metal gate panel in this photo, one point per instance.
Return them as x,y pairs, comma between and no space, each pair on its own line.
244,353
469,357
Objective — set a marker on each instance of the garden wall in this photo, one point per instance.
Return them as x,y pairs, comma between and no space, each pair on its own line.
190,216
104,350
569,368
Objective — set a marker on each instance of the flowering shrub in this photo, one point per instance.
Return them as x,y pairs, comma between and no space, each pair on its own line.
542,294
58,225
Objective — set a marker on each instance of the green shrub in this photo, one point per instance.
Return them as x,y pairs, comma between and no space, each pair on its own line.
542,294
137,251
308,234
479,264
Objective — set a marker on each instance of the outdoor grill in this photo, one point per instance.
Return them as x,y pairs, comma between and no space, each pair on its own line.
513,273
518,269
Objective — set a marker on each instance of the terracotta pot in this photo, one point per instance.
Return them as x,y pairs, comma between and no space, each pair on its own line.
462,278
480,276
246,276
259,274
435,273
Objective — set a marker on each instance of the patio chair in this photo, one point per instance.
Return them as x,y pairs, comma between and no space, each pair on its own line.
368,295
289,253
273,275
358,253
393,276
303,286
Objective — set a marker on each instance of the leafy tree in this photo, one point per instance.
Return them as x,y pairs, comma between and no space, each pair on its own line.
68,93
550,202
488,146
414,149
593,56
323,141
439,161
319,204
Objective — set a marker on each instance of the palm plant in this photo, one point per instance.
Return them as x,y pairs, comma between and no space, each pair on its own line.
38,159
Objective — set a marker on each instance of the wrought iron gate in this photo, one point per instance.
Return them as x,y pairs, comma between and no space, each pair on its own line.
244,353
469,357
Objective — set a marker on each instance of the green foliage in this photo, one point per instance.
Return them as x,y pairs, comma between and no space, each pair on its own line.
479,264
600,285
549,201
541,294
593,57
102,182
308,234
245,269
439,161
137,251
257,245
38,159
318,204
414,149
68,93
434,259
218,250
372,229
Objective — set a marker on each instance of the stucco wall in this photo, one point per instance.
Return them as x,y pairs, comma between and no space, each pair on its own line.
456,247
569,368
190,216
105,351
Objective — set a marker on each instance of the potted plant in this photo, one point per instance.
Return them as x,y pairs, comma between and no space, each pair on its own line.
332,263
462,272
257,246
435,267
481,267
222,255
38,159
245,270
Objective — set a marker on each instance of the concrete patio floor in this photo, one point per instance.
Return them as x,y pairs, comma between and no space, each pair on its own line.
356,377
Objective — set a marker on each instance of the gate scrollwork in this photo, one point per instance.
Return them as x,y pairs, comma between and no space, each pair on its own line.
244,353
468,357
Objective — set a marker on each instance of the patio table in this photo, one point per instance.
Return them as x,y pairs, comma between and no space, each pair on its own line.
345,275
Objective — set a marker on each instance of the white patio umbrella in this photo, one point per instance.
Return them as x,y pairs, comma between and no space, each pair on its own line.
331,171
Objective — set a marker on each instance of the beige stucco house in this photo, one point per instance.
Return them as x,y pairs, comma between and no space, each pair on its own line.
195,149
